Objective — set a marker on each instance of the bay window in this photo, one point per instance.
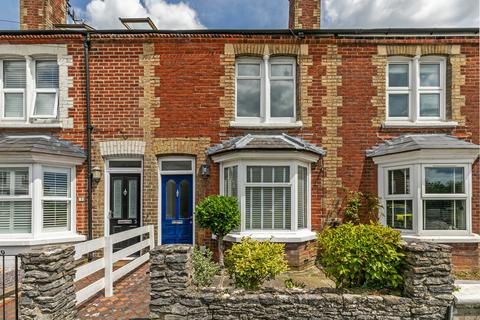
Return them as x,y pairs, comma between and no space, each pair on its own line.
427,198
416,89
36,200
274,196
265,90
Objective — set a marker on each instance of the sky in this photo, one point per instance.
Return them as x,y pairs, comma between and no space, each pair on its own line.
266,14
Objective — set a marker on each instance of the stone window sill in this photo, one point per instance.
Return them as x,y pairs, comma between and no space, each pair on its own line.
31,125
274,236
44,239
473,238
422,124
265,125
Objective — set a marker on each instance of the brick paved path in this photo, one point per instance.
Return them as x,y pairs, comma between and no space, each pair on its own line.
130,300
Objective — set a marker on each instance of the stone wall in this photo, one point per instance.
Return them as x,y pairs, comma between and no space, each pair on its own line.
427,294
47,290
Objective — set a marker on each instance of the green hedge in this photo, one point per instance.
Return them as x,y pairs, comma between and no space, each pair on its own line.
365,255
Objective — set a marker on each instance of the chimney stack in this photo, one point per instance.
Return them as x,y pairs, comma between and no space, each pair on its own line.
42,14
304,14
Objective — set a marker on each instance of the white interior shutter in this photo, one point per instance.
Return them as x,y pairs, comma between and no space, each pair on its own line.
302,197
56,184
14,74
16,213
56,213
46,74
46,80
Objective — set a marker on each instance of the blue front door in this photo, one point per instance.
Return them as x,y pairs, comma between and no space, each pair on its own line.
177,209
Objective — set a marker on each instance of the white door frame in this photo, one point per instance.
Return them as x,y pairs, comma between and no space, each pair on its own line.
106,174
160,174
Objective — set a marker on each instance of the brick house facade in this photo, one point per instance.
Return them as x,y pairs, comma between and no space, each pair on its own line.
162,98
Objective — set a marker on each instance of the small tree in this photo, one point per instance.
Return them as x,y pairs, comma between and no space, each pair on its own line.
220,214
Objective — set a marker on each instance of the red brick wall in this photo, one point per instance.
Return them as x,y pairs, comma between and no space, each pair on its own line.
189,91
42,14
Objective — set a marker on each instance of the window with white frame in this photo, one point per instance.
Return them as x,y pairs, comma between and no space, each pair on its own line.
430,199
56,201
271,196
29,89
265,89
399,203
444,198
416,89
19,212
15,200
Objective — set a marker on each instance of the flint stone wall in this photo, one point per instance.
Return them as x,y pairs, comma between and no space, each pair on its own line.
47,290
427,294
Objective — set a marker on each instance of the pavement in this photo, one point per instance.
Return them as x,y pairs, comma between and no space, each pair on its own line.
468,292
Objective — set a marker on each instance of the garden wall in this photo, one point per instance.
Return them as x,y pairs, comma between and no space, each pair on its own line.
427,293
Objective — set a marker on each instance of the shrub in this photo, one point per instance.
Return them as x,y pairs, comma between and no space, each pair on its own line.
250,263
204,267
365,255
220,214
292,284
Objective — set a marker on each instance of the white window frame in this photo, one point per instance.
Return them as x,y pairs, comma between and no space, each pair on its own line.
29,93
418,162
68,198
265,78
415,90
447,196
36,194
399,197
36,91
20,198
8,90
293,184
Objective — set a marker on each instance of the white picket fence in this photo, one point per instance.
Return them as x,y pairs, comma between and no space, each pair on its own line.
109,258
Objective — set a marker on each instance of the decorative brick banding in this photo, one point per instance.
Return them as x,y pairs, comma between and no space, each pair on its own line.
331,122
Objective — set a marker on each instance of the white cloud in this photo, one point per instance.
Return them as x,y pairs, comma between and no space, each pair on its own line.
104,14
400,13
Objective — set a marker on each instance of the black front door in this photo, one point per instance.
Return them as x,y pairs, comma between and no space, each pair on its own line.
124,205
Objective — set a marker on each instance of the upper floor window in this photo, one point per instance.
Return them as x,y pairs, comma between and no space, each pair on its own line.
29,89
416,89
265,90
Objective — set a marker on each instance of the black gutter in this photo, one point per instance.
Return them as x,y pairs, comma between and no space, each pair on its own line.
377,31
89,129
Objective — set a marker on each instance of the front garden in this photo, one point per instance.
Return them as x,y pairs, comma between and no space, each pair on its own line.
351,256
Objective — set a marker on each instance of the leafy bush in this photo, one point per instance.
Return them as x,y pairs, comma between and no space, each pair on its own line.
250,263
291,284
365,255
220,214
360,207
204,267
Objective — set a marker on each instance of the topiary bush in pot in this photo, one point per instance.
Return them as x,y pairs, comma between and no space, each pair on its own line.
250,262
365,255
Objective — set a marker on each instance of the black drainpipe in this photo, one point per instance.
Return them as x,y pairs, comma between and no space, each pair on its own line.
89,129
